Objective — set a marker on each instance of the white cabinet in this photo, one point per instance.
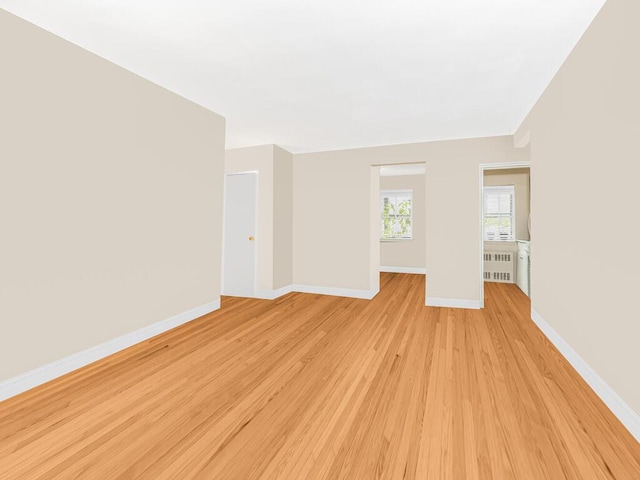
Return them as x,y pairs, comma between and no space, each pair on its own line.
523,264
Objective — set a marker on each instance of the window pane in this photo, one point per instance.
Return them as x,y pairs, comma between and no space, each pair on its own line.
499,215
395,215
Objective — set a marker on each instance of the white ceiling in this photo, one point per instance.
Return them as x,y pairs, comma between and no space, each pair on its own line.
331,74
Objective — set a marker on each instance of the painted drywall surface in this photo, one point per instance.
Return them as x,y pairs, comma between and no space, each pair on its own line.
519,178
584,197
331,219
332,236
259,159
111,199
283,218
374,225
406,253
500,247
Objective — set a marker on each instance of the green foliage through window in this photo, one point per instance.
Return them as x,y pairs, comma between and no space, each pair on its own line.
396,215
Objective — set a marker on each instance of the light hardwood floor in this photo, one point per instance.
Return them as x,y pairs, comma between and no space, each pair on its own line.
319,387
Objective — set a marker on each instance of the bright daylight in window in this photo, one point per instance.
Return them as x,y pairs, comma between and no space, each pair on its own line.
499,213
396,215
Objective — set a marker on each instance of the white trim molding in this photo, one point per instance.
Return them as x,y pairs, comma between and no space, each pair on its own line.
452,303
333,291
421,271
273,294
629,418
337,292
16,385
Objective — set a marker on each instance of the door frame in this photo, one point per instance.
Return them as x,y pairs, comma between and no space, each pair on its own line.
483,168
255,228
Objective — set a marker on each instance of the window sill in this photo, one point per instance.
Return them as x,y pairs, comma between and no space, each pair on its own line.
393,240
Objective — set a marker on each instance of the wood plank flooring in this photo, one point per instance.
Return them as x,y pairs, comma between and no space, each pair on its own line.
319,387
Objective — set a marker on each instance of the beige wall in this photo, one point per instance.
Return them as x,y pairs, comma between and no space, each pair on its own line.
374,232
406,253
519,178
333,221
275,211
283,218
111,199
584,150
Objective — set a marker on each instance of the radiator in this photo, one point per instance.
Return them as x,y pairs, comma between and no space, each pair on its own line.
500,267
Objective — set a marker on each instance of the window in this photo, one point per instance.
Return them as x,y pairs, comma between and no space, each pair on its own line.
395,215
499,214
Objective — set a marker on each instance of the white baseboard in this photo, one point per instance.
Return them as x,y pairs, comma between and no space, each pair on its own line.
629,418
452,303
421,271
337,292
40,375
273,294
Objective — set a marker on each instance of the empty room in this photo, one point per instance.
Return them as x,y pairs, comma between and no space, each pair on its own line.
319,240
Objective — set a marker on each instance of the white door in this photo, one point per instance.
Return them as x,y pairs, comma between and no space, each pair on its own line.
239,258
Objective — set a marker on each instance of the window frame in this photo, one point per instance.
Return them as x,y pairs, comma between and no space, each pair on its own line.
390,192
511,189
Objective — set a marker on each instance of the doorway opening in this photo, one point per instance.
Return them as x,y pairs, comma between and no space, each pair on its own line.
505,225
400,218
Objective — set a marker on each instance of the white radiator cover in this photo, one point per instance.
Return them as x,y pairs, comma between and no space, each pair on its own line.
500,267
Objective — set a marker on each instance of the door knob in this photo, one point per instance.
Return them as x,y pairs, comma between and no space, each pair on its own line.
251,239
